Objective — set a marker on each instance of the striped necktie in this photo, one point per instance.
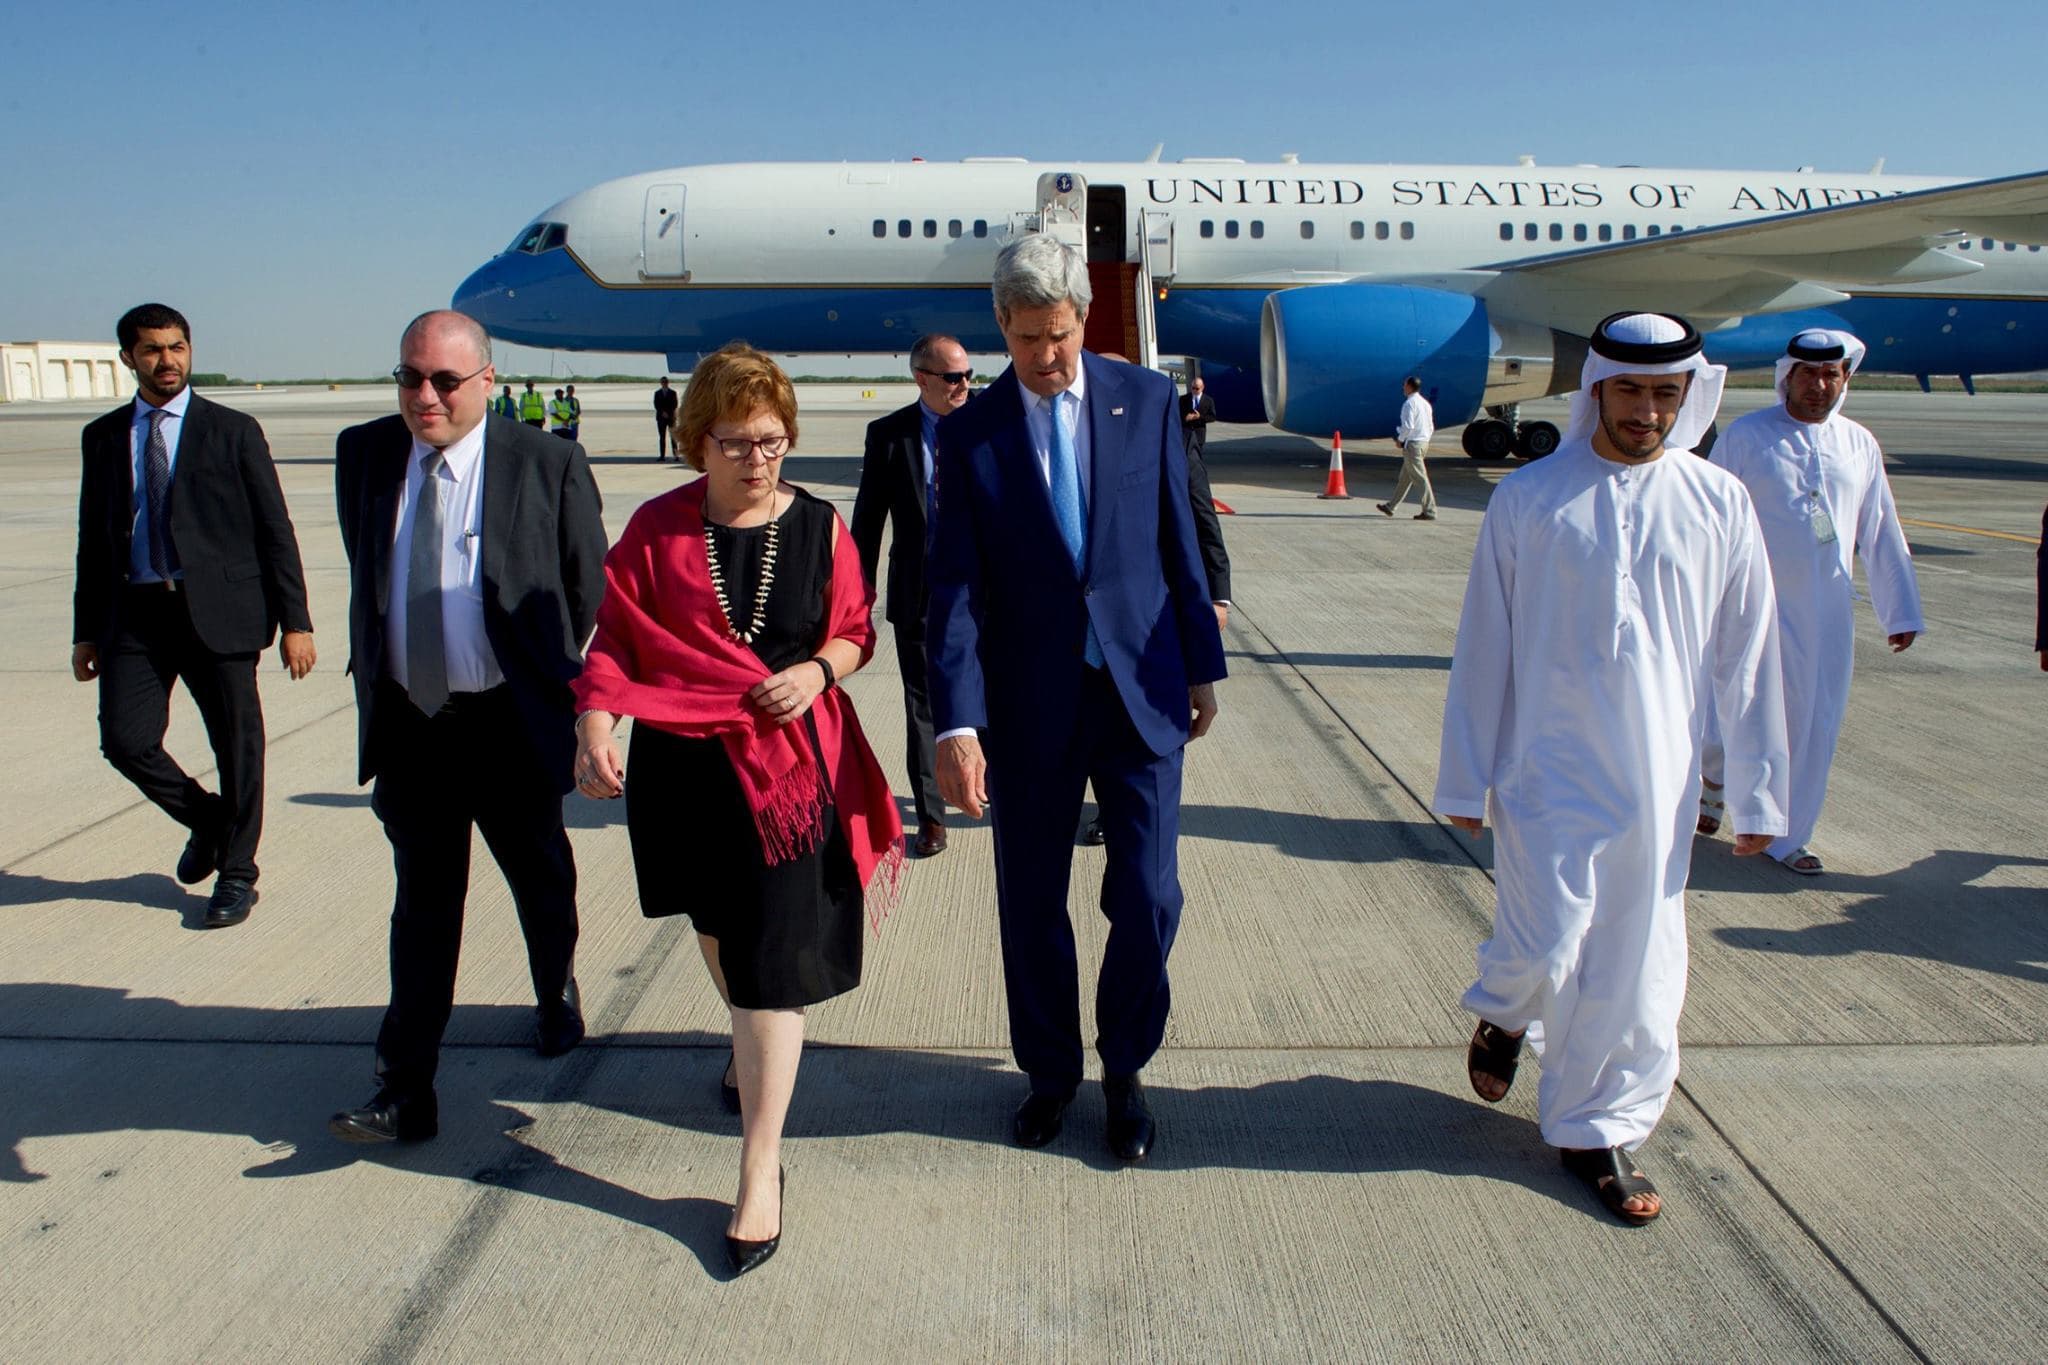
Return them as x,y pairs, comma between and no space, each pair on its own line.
156,479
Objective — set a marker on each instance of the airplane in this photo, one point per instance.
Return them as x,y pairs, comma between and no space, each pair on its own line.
1302,293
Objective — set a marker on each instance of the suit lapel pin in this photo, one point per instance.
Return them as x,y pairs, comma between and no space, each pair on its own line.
1116,412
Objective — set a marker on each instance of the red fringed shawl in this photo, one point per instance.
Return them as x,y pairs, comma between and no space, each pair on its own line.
661,655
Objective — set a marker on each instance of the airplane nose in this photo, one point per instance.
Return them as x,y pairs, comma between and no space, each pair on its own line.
482,295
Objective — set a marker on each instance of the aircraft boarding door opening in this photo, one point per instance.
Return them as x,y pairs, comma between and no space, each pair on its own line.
661,235
1112,318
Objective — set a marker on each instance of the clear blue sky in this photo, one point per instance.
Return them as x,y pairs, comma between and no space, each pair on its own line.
301,179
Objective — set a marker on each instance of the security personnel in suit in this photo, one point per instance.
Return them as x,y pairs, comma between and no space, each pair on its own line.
1197,411
1072,641
896,481
476,561
187,566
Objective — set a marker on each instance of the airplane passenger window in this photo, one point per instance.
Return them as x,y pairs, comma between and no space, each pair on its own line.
902,227
981,227
1230,228
1208,228
1987,244
952,227
1628,232
557,237
1962,246
1357,231
1557,232
1528,232
1407,232
881,227
2012,246
1258,227
1507,232
1308,229
1606,232
931,227
1578,232
1654,230
2034,246
1379,232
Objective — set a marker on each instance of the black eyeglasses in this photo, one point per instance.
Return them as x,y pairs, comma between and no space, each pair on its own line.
445,382
740,448
950,376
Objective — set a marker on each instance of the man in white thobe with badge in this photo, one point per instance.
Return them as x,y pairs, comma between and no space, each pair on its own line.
1617,596
1821,495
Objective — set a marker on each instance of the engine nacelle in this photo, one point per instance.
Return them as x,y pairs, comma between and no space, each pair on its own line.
1332,357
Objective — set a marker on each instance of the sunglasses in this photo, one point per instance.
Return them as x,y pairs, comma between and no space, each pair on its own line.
950,376
445,382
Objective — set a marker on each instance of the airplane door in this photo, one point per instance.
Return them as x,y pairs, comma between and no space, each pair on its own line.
1106,223
661,234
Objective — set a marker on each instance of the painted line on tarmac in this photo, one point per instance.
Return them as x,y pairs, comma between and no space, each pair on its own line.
1968,530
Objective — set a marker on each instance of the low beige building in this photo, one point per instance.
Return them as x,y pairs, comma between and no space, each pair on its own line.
63,369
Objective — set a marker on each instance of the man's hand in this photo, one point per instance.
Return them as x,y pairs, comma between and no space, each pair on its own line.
1902,641
1222,615
85,661
1471,824
1747,845
295,647
600,773
785,696
1202,698
963,774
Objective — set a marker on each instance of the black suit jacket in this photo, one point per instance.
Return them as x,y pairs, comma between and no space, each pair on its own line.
892,484
1208,530
543,572
1197,432
233,536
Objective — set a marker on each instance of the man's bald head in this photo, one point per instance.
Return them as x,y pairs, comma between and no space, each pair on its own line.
446,322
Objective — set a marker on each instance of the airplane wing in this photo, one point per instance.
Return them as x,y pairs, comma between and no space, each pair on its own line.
1804,259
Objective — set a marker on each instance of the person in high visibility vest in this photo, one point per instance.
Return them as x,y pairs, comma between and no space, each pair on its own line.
533,408
575,428
558,415
505,405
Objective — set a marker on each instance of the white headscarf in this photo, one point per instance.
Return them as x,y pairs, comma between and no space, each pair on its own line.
1817,346
1624,339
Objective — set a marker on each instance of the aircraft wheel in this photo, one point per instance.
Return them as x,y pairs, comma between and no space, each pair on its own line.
1489,440
1536,439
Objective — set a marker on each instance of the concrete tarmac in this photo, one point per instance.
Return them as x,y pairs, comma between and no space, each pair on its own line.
1855,1166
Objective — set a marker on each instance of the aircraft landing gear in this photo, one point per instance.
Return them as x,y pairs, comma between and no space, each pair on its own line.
1502,433
1489,438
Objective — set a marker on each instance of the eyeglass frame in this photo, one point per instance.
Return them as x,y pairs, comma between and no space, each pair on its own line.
453,381
747,447
950,376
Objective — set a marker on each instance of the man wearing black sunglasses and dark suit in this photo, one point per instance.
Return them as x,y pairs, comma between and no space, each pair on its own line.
476,561
187,567
895,481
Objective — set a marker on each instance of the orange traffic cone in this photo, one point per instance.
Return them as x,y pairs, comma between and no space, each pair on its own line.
1334,486
1223,508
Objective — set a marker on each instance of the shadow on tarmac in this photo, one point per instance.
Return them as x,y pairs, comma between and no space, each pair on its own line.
1440,663
153,890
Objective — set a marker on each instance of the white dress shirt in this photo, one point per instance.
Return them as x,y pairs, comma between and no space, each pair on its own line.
1418,421
139,570
472,665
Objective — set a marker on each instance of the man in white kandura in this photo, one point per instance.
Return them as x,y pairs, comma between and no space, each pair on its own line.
1618,593
1821,496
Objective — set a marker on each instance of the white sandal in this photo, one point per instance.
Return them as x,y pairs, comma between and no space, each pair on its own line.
1792,860
1712,810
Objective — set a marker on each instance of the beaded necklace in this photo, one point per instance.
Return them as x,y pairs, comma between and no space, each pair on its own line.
760,617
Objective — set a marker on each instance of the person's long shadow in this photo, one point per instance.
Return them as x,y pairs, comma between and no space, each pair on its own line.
1927,910
1438,663
155,890
279,1096
1323,837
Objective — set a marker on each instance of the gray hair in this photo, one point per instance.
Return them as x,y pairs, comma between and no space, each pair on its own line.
1037,271
454,321
927,346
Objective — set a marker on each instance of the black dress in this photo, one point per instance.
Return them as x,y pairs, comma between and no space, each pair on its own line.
790,934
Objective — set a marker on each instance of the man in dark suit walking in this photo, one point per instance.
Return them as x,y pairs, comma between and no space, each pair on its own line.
1072,641
1197,411
187,566
896,480
476,561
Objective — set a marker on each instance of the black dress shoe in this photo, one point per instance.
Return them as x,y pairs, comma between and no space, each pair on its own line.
745,1255
560,1026
1130,1130
201,857
1091,833
1038,1119
931,838
387,1118
729,1091
232,900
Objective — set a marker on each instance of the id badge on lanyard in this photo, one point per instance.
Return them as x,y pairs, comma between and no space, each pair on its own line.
1817,517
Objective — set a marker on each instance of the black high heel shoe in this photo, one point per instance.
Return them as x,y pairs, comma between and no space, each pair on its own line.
728,1093
745,1255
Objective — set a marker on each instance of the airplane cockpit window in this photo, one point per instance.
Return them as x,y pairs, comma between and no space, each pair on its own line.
529,240
556,238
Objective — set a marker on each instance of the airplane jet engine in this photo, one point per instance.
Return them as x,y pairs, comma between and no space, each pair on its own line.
1332,358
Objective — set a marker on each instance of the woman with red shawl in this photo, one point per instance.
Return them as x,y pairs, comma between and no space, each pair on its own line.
734,606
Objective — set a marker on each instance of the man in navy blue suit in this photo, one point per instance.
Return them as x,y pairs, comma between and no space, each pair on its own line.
1071,640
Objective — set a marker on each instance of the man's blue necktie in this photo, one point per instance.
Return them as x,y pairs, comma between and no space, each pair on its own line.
1065,481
